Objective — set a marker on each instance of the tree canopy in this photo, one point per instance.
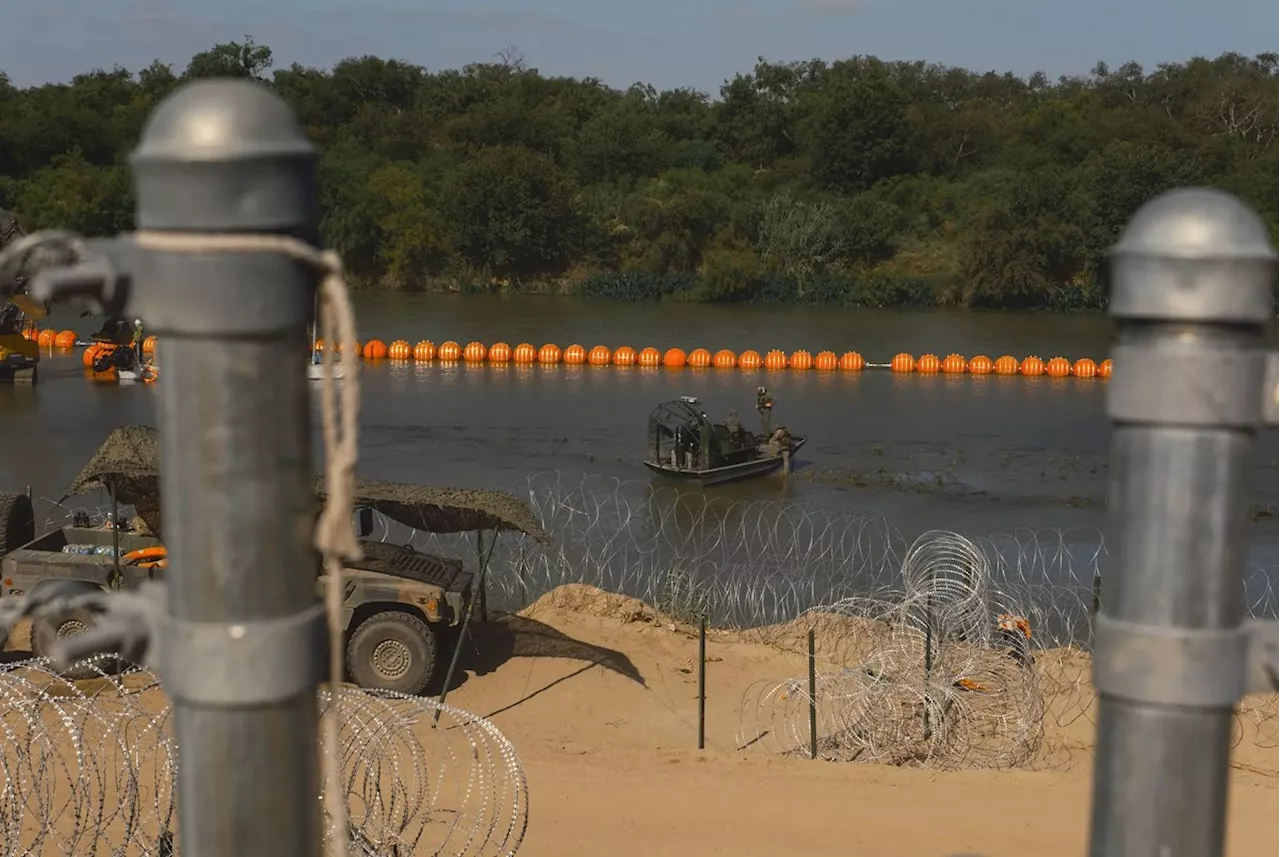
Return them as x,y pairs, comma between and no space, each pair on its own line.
859,182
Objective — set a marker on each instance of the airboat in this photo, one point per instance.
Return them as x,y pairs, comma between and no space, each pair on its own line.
685,444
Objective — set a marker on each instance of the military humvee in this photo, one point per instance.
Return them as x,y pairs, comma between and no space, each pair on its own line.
398,602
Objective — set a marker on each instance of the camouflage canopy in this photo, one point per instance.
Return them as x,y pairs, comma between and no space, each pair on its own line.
446,510
129,459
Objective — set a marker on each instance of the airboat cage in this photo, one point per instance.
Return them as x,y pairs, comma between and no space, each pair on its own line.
681,435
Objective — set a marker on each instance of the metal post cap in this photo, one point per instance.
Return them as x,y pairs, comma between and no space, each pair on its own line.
1196,223
225,155
1193,255
222,120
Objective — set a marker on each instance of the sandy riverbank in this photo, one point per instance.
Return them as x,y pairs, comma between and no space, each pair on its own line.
613,768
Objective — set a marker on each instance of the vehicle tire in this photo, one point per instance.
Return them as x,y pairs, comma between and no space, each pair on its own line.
394,651
46,630
17,521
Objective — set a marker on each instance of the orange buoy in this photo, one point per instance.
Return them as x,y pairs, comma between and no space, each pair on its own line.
1104,368
800,360
29,333
903,362
45,338
524,353
826,361
599,355
624,355
749,360
649,357
499,352
954,364
575,355
776,359
375,349
1084,368
699,358
1032,366
424,351
851,361
674,358
65,339
91,353
317,346
1057,367
928,364
475,352
980,365
1006,364
400,350
724,359
449,351
549,354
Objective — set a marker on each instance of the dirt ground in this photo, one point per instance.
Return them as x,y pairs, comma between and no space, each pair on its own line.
599,697
610,753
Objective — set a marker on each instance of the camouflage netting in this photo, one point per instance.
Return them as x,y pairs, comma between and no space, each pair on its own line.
447,510
130,458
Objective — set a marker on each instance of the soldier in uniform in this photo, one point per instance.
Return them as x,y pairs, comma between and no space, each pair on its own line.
764,407
734,427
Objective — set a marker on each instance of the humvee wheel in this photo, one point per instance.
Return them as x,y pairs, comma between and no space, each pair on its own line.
28,376
17,521
48,629
392,650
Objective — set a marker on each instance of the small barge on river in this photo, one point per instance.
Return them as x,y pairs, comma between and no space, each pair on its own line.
685,444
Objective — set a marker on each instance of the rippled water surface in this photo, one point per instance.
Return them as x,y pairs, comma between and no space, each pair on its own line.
977,455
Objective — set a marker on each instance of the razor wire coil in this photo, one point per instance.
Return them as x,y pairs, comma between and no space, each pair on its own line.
90,767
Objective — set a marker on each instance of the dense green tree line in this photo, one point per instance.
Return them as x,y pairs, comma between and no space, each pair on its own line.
859,182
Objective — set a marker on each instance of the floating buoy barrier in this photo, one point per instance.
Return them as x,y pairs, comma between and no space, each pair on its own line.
651,357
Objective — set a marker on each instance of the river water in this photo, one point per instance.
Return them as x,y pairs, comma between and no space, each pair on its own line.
977,455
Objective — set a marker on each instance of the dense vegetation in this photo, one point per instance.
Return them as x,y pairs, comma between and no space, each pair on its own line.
859,182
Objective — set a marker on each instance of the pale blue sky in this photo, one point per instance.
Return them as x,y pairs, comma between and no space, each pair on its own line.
668,43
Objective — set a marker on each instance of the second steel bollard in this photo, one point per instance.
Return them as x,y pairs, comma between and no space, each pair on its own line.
1191,290
240,645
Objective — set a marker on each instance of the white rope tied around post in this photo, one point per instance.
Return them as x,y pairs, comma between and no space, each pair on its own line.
335,536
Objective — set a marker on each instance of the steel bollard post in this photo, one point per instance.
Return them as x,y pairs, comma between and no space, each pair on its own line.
239,644
1190,289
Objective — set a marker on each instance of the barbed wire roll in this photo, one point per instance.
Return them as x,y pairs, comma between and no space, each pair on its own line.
90,767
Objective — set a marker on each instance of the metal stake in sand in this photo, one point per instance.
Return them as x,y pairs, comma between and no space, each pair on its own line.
1191,283
813,697
702,682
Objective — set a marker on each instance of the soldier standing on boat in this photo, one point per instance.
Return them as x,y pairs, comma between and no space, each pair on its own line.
734,427
764,406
